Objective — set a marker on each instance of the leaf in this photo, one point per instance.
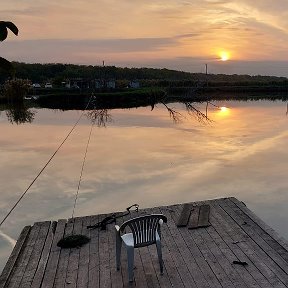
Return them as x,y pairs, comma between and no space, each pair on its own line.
3,31
12,27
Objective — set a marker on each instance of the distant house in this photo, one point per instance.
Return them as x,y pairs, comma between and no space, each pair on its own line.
111,84
78,83
134,84
101,83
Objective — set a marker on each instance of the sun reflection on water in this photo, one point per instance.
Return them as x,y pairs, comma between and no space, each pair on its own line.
223,111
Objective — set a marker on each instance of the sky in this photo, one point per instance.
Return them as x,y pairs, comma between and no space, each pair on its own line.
174,34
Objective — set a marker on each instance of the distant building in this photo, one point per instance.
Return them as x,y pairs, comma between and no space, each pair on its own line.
111,84
77,83
101,83
134,84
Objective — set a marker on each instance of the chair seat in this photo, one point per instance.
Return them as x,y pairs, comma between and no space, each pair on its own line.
128,239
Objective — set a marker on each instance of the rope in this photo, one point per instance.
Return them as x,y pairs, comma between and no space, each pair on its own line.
47,163
112,218
82,168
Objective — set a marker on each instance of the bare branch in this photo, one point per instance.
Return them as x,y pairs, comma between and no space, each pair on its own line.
99,117
174,115
201,117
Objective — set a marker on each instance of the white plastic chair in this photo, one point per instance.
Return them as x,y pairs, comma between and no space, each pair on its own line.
144,231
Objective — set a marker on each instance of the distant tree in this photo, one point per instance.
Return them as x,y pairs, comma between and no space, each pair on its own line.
4,26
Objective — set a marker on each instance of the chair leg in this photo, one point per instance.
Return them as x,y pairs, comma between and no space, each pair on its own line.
159,251
130,256
118,251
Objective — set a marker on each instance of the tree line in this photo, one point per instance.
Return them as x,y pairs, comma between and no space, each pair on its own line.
40,73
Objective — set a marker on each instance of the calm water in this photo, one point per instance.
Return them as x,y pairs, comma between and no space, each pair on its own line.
143,157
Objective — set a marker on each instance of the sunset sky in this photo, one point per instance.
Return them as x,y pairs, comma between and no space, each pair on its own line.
175,34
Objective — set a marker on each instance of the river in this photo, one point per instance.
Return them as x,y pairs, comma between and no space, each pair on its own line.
143,156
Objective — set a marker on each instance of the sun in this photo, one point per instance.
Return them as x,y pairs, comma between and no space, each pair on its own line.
224,55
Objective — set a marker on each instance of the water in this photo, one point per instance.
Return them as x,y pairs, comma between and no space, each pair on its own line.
143,157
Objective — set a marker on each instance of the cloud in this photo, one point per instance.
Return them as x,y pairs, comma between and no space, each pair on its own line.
53,50
86,32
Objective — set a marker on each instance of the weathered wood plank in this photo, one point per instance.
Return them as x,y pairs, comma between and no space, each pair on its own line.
105,276
84,257
220,275
21,265
262,248
204,213
73,261
184,216
266,234
53,258
220,257
243,275
40,272
94,263
200,258
14,256
35,255
250,272
61,272
179,251
194,217
203,265
247,246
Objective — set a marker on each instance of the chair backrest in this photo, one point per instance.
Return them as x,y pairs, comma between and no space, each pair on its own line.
144,228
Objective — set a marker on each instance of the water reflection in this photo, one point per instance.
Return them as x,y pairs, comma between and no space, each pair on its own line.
143,157
18,113
102,116
99,117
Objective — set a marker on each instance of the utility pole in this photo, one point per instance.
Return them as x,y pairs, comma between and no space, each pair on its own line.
206,72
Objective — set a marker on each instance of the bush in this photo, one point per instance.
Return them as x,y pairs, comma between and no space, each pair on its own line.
16,89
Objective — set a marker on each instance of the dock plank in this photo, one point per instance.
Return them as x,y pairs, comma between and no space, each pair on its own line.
266,239
202,257
40,272
94,264
23,261
61,272
262,248
35,255
84,257
184,215
199,258
73,260
266,228
233,239
248,246
14,256
204,213
53,257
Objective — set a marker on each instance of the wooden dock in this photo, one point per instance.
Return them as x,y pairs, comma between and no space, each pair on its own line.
236,250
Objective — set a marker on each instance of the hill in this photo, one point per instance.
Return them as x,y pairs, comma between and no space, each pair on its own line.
56,73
